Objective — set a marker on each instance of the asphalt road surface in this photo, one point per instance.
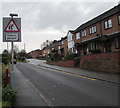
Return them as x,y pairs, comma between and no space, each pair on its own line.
63,89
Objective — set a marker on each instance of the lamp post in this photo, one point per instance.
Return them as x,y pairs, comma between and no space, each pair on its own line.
12,60
12,45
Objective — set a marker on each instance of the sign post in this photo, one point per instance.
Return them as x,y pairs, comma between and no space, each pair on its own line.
12,33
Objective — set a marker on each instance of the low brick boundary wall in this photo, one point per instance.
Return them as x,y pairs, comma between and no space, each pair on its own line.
106,62
68,63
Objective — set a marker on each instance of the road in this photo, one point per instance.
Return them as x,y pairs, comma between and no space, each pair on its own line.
63,89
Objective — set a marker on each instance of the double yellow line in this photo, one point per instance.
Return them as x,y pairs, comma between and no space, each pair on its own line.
81,76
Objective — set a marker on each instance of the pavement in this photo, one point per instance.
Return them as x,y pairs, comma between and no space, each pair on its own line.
109,77
27,94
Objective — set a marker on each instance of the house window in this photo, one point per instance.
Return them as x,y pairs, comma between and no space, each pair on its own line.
95,29
117,43
84,33
92,30
77,35
119,19
58,47
92,46
72,37
62,42
108,24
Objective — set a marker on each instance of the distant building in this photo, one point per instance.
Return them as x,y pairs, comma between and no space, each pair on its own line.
46,50
35,53
64,46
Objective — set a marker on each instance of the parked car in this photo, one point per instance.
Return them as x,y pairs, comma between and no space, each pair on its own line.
14,61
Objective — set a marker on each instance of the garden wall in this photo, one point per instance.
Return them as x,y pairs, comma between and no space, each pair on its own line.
106,62
68,63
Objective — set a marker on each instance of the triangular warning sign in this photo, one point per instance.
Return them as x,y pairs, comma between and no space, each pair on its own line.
11,27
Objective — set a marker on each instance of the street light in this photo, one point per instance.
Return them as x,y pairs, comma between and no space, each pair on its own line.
12,14
12,73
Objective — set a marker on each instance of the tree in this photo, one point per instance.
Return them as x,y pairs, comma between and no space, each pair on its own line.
5,57
21,56
54,56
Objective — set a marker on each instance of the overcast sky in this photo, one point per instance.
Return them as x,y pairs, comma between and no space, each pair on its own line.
51,20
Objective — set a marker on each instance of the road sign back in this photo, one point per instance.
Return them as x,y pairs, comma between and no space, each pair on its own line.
11,27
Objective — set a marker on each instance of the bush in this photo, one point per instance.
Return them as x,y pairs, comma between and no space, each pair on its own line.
4,67
77,58
54,56
21,59
5,57
69,56
6,104
8,94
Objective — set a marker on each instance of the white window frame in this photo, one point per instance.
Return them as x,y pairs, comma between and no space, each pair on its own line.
77,35
93,29
108,24
84,33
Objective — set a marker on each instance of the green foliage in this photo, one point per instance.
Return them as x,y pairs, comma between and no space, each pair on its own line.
8,94
21,56
54,56
69,56
6,104
77,58
5,57
3,77
4,67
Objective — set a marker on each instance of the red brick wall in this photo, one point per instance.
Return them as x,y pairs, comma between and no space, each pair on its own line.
107,62
68,63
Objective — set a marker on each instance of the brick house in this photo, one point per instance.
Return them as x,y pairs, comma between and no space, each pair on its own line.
55,45
64,45
35,53
59,45
46,50
101,34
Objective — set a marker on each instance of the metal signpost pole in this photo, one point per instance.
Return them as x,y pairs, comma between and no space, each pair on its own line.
12,67
12,56
12,33
12,60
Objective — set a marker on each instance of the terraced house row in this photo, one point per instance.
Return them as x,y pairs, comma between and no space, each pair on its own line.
99,35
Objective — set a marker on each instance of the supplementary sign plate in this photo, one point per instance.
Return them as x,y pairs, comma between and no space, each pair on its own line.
12,37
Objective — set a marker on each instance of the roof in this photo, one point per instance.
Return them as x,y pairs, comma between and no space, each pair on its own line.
34,51
106,14
64,38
